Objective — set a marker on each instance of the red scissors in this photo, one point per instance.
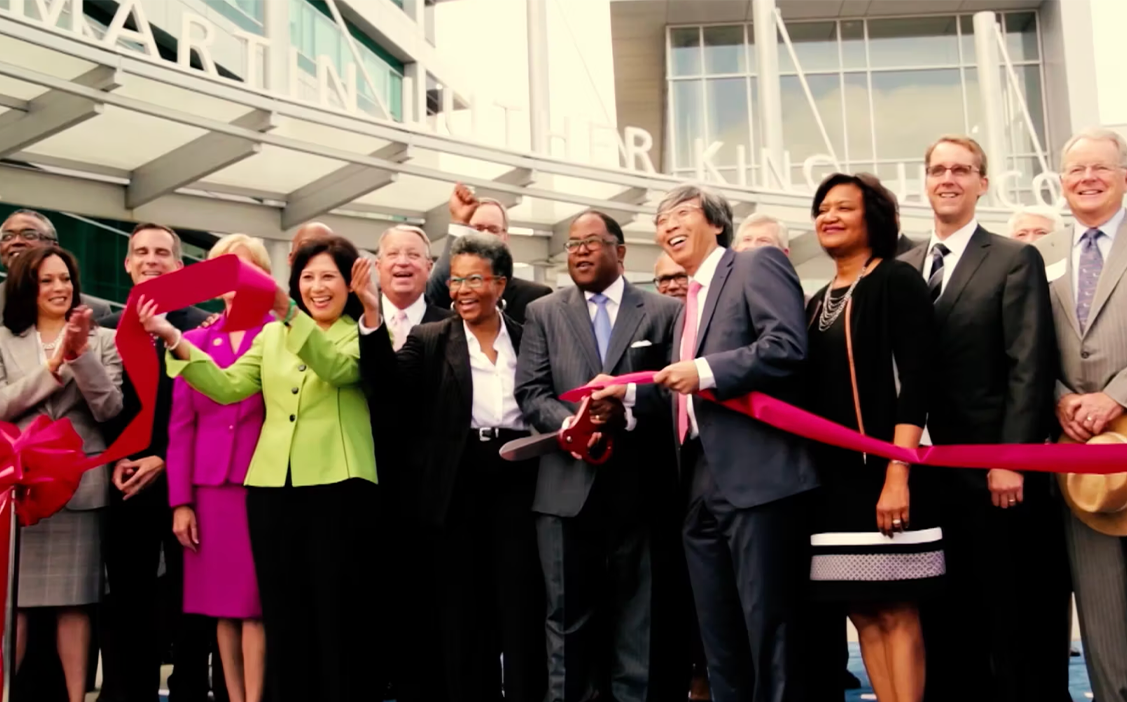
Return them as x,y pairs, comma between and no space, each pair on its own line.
574,439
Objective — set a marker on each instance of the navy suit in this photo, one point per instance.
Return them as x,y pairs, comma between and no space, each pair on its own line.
745,534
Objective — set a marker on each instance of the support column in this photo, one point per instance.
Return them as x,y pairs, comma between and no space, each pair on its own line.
415,93
539,108
990,87
276,28
770,100
279,252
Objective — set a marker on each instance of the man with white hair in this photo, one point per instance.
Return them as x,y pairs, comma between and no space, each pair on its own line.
1035,222
760,229
404,264
1090,312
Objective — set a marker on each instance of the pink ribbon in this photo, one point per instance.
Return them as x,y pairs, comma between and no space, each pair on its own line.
1047,458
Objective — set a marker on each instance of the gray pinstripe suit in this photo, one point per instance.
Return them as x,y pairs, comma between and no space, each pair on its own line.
1095,360
594,523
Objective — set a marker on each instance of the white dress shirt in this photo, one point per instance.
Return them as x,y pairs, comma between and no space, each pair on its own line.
956,244
494,385
703,277
1103,243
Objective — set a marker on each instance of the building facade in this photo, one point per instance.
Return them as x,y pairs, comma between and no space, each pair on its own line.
216,116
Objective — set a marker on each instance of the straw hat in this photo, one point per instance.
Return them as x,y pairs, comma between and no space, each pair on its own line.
1100,501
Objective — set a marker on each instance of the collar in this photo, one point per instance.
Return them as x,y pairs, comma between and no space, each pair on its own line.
1108,228
475,345
415,310
707,270
614,291
957,242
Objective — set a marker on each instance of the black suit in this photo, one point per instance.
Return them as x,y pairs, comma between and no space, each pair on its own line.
746,533
997,632
518,292
599,549
137,529
475,510
408,603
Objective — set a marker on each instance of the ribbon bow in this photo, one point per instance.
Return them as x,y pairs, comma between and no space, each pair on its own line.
40,468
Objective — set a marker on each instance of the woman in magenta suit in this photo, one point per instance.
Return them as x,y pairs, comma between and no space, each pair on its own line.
209,450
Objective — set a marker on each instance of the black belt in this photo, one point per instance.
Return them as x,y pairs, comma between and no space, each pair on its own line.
486,434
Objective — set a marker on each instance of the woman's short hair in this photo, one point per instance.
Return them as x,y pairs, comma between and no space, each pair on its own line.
254,246
880,210
21,289
343,253
486,246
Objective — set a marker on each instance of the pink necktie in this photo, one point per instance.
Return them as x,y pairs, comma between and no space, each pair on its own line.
688,352
399,330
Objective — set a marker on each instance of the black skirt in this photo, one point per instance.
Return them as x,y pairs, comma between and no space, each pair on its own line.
851,561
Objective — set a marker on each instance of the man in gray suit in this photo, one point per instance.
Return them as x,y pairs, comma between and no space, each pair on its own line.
1090,312
28,229
594,523
745,534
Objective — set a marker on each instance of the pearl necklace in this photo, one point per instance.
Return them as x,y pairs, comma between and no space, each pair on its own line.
48,346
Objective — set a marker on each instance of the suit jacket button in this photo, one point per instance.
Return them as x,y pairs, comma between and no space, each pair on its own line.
301,367
293,418
1084,354
294,391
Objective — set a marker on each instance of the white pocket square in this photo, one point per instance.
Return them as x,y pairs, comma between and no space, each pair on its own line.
641,344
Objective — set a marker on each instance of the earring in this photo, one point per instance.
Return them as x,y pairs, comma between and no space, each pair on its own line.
452,303
504,304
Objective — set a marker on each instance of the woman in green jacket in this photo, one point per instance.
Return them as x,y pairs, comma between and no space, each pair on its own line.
311,483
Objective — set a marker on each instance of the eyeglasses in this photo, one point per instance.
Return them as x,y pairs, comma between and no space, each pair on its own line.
663,281
25,234
593,243
959,170
475,281
679,213
1100,170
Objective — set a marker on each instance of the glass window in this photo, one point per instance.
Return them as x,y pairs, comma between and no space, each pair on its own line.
801,135
815,45
724,50
913,41
911,107
913,181
1021,36
688,121
966,34
858,120
684,51
853,44
728,119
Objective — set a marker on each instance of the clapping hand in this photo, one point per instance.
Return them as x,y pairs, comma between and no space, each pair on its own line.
365,289
76,334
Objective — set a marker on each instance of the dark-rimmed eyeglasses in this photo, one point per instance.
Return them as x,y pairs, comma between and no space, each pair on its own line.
663,281
593,243
475,281
25,234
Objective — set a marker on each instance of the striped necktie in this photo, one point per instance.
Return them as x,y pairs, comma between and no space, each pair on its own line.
1091,264
935,282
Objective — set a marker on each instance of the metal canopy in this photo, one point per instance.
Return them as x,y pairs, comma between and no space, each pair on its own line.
106,134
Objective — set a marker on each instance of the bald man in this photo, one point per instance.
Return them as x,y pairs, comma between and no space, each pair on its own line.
308,232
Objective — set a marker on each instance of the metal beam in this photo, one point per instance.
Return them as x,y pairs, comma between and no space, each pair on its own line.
199,82
54,111
197,159
342,186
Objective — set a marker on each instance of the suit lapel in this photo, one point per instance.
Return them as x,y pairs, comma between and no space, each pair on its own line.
25,353
972,258
458,357
1112,273
630,314
580,320
1062,286
723,270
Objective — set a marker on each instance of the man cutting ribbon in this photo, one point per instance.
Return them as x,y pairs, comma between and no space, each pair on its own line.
745,537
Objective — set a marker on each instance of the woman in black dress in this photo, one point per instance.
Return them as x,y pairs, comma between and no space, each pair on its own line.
875,550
